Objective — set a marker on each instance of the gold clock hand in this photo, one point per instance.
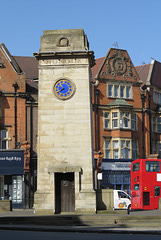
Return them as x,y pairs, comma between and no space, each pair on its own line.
60,90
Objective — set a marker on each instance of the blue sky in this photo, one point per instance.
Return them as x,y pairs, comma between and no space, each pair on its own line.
133,25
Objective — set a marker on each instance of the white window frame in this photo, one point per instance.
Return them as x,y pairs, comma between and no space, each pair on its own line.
156,124
122,91
128,93
125,118
125,147
115,148
107,148
134,121
115,120
116,91
119,91
106,120
134,150
4,139
110,91
157,96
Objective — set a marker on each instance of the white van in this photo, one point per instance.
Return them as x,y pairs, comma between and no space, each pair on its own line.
121,200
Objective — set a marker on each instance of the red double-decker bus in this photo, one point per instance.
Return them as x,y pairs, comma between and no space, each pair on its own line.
145,184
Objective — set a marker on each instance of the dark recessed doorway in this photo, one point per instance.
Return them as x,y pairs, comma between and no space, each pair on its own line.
64,192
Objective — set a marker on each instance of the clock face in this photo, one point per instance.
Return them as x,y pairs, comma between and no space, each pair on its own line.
63,89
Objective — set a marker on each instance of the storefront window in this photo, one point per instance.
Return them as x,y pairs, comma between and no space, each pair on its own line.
116,180
8,187
17,187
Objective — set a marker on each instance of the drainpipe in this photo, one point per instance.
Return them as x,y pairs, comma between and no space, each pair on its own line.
143,125
150,128
97,121
31,152
15,85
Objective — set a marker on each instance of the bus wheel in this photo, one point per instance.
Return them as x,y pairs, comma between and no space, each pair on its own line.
129,209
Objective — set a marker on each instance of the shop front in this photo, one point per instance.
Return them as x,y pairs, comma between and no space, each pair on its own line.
12,177
116,174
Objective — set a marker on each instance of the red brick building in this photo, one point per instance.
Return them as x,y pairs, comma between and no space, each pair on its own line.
16,147
126,115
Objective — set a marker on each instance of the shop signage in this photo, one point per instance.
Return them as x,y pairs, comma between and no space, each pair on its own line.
11,162
116,166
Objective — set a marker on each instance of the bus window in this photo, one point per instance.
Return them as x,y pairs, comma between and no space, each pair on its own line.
136,167
136,186
157,191
152,166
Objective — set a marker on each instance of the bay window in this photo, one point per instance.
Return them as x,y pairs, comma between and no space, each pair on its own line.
120,148
124,120
115,149
115,120
125,148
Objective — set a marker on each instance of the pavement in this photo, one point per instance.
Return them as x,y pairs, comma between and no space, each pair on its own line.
138,222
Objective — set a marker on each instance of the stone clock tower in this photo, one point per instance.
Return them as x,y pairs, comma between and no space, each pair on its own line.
65,150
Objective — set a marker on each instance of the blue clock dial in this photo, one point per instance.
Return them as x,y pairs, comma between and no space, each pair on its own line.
63,89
